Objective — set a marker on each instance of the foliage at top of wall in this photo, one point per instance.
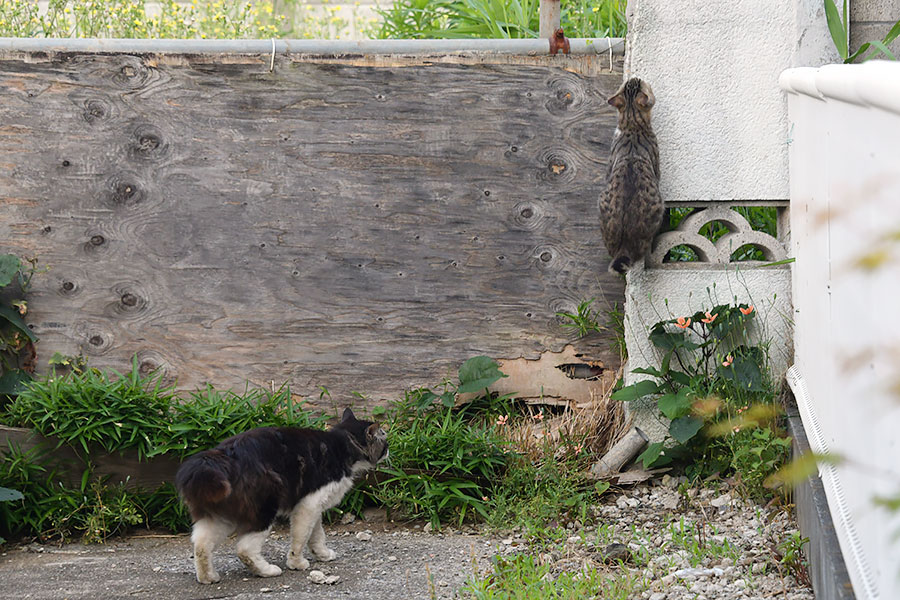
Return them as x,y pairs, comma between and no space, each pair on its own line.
240,19
220,19
422,19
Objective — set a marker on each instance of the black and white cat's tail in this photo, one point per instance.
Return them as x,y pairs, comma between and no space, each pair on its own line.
203,479
620,264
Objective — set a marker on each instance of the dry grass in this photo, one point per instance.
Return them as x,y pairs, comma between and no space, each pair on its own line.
590,429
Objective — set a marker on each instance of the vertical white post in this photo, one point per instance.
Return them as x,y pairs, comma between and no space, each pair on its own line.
550,17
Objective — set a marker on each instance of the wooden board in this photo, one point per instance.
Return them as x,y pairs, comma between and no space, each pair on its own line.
332,223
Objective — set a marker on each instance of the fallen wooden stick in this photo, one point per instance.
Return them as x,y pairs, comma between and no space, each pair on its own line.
631,444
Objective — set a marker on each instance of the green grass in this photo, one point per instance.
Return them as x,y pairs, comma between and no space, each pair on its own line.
95,410
524,577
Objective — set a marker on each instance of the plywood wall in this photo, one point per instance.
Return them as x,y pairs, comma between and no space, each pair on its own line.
362,225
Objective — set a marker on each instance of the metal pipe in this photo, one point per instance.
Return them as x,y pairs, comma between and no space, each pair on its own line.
534,47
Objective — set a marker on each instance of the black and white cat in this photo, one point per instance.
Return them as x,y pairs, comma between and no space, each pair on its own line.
242,484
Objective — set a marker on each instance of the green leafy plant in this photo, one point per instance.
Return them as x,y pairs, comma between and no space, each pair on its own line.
708,372
104,410
789,553
584,320
757,452
839,28
209,416
16,339
9,495
444,460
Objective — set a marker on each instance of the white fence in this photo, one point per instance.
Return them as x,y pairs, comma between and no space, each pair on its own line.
845,232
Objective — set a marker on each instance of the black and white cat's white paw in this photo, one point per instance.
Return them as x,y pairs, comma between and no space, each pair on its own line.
324,554
296,562
208,577
267,570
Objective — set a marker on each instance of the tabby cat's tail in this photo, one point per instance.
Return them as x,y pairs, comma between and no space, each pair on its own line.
620,264
203,479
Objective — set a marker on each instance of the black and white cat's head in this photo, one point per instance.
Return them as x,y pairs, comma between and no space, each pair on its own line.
368,437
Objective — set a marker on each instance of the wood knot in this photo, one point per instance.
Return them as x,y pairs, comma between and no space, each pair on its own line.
129,299
96,110
558,166
148,143
527,215
95,244
124,190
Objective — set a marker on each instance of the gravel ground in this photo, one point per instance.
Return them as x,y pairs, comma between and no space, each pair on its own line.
701,546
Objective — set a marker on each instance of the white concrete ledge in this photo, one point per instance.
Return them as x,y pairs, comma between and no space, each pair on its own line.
313,47
875,83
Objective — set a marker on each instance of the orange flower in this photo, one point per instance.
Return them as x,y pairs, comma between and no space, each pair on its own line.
709,318
501,420
539,416
683,322
727,362
577,449
747,311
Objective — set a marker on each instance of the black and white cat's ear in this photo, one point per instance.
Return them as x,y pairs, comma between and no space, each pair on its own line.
376,442
348,415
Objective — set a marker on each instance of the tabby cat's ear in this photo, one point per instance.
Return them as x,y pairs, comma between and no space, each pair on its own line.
617,101
348,415
645,100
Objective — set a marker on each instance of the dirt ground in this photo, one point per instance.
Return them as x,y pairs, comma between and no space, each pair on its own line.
397,562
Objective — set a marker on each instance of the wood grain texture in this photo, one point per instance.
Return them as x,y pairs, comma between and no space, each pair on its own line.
362,228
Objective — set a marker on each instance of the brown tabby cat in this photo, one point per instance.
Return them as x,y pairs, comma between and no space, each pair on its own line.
631,209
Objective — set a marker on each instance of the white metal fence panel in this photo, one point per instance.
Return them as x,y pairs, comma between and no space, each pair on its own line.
845,232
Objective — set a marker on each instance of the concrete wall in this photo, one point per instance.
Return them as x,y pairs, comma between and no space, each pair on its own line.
845,181
720,116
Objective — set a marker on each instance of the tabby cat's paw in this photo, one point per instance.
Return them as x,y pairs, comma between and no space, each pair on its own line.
296,562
